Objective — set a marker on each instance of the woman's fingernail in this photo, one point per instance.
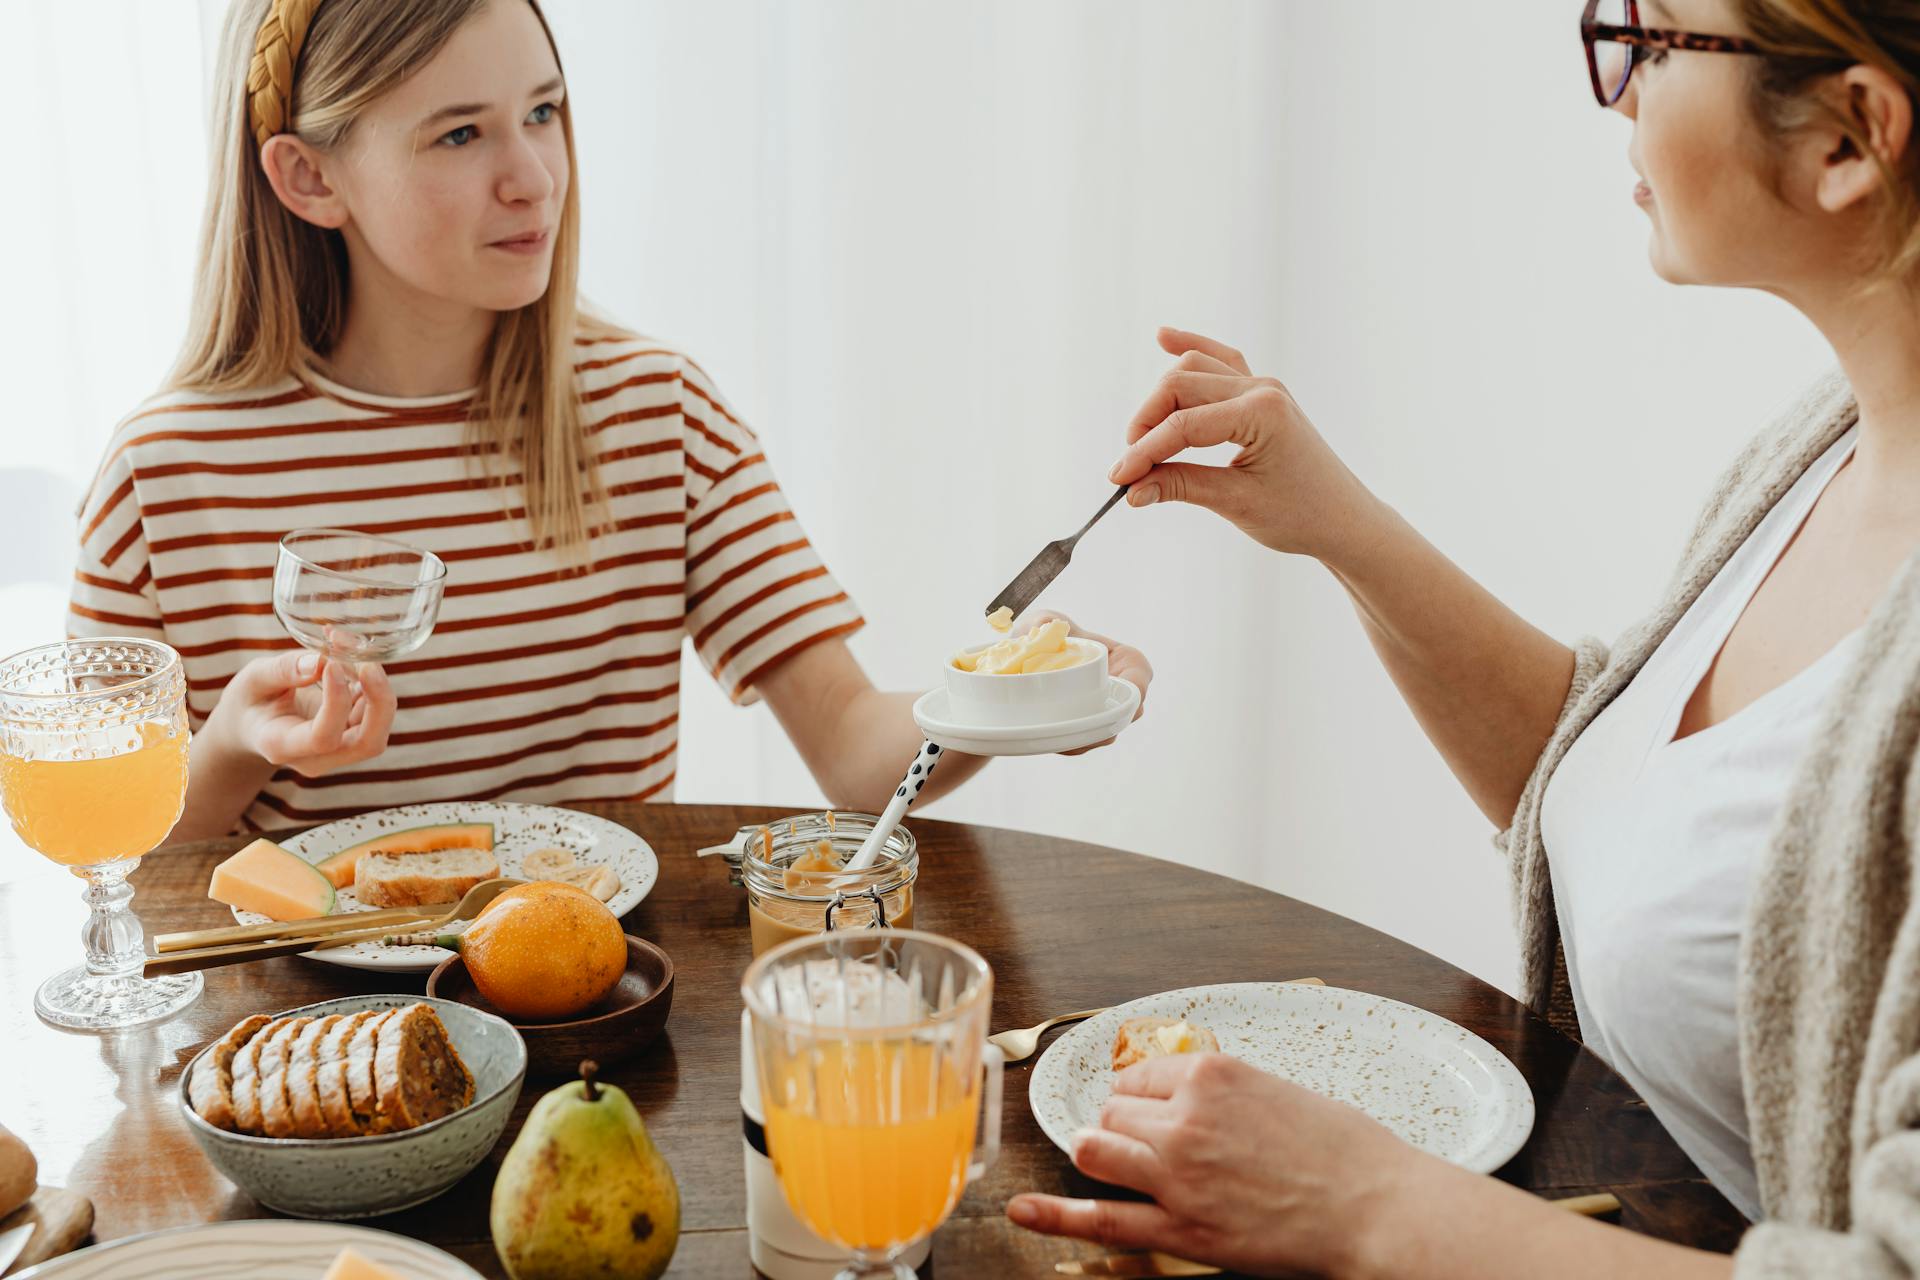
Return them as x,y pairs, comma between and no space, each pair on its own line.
1143,495
309,663
1023,1213
1113,472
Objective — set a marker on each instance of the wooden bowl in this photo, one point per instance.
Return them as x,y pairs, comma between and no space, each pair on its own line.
616,1026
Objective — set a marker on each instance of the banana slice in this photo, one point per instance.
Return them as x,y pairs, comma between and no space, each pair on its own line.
546,864
601,882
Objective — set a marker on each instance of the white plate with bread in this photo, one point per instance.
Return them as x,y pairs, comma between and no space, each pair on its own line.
1434,1083
422,854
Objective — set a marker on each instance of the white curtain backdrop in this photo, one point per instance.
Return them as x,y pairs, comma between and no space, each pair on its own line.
923,246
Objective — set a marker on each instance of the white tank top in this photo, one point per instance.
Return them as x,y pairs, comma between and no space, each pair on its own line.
1653,844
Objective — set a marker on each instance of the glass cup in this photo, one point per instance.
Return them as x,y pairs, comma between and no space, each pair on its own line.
355,598
871,1047
93,774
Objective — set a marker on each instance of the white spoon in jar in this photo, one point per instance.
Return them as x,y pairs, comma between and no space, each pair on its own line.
916,777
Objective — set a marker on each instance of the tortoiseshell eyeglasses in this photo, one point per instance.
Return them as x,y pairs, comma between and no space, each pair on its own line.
1617,43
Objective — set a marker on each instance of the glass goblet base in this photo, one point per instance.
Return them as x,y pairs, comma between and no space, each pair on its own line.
877,1266
84,1001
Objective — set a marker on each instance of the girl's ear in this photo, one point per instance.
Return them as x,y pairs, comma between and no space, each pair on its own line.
298,176
1878,108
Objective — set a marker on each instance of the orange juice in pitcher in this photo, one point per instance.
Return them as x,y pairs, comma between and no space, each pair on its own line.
871,1054
872,1140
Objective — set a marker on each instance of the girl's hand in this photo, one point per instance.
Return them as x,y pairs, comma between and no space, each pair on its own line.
1286,489
1246,1171
299,711
1123,660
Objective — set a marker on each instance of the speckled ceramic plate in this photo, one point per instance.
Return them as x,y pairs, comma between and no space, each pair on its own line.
518,829
1433,1082
268,1249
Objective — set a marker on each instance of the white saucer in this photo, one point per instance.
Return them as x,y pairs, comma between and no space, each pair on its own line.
931,714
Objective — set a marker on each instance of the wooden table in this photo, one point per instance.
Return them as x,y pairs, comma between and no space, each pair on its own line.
1065,926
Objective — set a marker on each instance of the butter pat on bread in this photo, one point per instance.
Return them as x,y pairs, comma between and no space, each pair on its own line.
1143,1038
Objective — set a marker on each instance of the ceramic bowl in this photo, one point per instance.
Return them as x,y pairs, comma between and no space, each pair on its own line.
362,1177
1042,697
618,1025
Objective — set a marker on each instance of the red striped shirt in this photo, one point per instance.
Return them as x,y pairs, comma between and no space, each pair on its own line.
542,682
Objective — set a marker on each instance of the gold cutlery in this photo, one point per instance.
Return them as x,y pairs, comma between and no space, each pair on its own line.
317,926
1136,1264
1019,1045
292,937
1165,1264
1593,1206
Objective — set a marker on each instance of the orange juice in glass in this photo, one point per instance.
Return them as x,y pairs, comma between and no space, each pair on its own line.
79,812
93,774
871,1054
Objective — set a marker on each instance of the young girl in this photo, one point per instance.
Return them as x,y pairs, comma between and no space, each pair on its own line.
386,337
1712,827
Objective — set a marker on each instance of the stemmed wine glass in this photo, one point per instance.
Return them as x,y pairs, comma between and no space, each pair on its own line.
93,773
871,1051
356,598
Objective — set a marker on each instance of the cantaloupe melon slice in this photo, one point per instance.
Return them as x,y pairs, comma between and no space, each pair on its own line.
338,869
351,1265
280,885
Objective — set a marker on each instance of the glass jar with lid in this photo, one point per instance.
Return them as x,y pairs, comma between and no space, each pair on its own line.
785,900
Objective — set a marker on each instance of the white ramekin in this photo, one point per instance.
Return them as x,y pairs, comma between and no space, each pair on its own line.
1036,698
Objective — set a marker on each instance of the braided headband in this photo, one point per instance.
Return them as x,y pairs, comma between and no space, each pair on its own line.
276,52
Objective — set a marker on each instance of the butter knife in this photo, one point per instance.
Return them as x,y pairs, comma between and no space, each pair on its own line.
1039,575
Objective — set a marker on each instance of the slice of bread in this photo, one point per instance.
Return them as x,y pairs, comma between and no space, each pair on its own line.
364,1098
330,1078
246,1078
303,1069
419,879
1140,1039
274,1049
276,1112
417,1072
211,1089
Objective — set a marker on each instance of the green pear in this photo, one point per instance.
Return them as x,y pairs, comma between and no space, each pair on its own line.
584,1192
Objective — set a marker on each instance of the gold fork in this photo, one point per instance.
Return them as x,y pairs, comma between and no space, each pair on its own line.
1019,1045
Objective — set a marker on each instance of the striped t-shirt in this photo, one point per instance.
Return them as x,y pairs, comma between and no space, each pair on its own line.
542,681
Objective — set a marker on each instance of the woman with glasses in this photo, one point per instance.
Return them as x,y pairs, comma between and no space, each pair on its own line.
1712,826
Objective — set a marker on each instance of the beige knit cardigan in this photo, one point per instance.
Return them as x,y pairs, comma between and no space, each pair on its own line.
1829,978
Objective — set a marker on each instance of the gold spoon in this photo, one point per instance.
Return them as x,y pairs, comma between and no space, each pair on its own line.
1019,1045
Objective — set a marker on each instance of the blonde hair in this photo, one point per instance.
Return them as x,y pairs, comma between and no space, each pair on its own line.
271,292
1805,41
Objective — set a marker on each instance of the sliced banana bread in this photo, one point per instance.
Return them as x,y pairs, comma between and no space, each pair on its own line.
417,1072
211,1089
